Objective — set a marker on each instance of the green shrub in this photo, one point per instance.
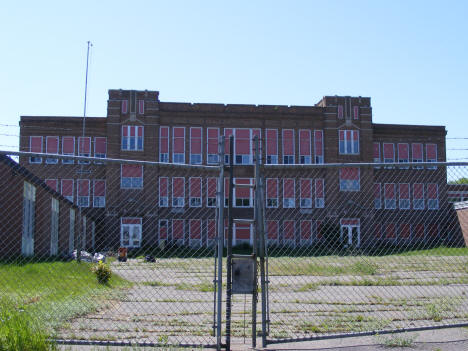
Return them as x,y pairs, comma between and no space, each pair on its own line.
102,271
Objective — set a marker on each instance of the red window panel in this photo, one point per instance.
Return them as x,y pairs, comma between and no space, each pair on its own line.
288,142
179,140
211,187
405,230
341,135
164,140
163,229
340,111
388,151
242,231
195,187
433,230
288,188
306,188
195,228
83,187
404,191
377,191
376,152
196,140
178,187
52,183
419,230
141,107
132,171
163,186
417,150
177,229
349,221
378,230
356,112
319,191
319,229
211,229
271,142
288,230
35,144
129,220
213,136
241,192
403,152
124,107
272,188
99,188
390,231
318,142
272,230
304,143
389,190
84,145
242,142
349,135
68,145
431,152
227,133
257,133
52,144
350,173
100,145
432,191
306,230
418,191
67,187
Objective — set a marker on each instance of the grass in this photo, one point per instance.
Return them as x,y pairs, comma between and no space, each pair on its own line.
396,340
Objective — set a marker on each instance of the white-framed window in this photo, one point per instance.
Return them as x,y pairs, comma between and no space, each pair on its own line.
389,195
68,148
227,150
178,144
418,196
132,138
271,146
163,230
305,146
163,192
99,193
377,196
84,149
67,189
318,146
164,144
131,176
319,193
52,147
355,112
242,146
432,196
100,148
124,107
431,154
306,230
350,179
130,232
348,142
35,145
289,232
210,232
195,232
196,138
212,145
83,192
141,107
389,153
405,231
195,192
288,146
306,193
404,193
271,192
376,153
417,153
403,153
289,193
178,230
29,219
52,183
211,186
340,111
178,192
54,227
243,196
272,230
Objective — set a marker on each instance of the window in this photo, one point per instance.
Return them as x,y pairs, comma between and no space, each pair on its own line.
178,192
178,144
388,154
178,230
319,193
305,152
100,148
288,146
195,231
163,229
68,148
289,192
419,231
131,176
211,192
271,193
211,231
71,234
318,145
349,142
227,150
83,192
130,232
242,233
163,192
403,190
226,192
417,151
288,231
272,228
243,196
405,230
141,107
164,144
84,149
306,231
52,147
340,111
355,112
403,153
29,218
433,230
306,193
124,107
132,138
432,196
54,227
212,145
377,196
418,196
99,193
271,146
52,183
242,147
195,192
431,154
349,179
390,231
35,145
195,145
389,194
377,153
67,189
377,230
256,133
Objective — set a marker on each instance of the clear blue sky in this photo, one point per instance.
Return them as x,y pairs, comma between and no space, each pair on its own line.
410,57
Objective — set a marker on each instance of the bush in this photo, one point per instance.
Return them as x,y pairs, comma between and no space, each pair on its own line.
102,271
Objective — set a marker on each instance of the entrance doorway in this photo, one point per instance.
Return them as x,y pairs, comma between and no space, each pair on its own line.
350,233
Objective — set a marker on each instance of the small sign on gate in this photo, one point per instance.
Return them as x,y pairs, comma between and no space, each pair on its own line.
243,274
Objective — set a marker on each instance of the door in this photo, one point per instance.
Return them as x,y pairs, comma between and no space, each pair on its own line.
350,235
